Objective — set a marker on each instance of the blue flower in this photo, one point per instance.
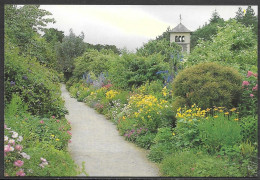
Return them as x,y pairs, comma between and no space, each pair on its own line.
12,83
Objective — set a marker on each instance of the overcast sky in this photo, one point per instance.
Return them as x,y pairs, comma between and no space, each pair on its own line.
131,26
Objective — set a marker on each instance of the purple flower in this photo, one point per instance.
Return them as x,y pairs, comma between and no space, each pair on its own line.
25,77
12,83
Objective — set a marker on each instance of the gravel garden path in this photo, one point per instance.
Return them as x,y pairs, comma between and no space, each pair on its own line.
96,142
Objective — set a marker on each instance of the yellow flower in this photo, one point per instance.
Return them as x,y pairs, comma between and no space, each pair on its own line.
207,109
179,109
52,135
207,117
123,118
236,119
215,109
233,109
226,113
57,139
173,134
220,110
215,116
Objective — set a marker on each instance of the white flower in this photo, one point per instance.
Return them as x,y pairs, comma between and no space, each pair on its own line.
11,141
15,135
20,138
11,148
26,156
45,163
41,165
6,138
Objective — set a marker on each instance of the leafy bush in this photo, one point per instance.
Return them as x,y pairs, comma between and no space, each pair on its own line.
191,164
208,84
163,144
36,85
233,44
132,70
92,61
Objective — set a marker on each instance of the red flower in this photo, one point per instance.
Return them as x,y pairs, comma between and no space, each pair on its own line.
69,133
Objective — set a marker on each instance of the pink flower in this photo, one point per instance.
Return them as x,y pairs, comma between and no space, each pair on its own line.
5,126
251,95
245,83
18,147
18,163
42,122
255,75
192,169
53,117
255,88
58,121
7,148
43,160
69,133
20,173
249,73
69,141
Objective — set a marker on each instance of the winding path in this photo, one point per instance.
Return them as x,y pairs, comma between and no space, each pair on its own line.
96,141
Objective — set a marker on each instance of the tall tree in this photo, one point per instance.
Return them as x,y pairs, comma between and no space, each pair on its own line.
208,30
215,17
71,47
22,23
248,19
165,35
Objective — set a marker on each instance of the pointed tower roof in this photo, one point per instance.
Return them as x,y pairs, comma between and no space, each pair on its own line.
180,28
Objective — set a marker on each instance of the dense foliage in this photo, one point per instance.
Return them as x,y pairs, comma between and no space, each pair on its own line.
233,45
208,85
34,144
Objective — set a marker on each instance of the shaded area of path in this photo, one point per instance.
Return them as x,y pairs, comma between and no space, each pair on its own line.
96,141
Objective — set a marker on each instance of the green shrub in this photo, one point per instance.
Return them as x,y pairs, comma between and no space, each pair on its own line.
233,44
133,70
191,164
163,144
37,85
145,141
209,84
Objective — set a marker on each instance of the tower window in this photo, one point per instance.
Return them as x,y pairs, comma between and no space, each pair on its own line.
177,39
182,39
